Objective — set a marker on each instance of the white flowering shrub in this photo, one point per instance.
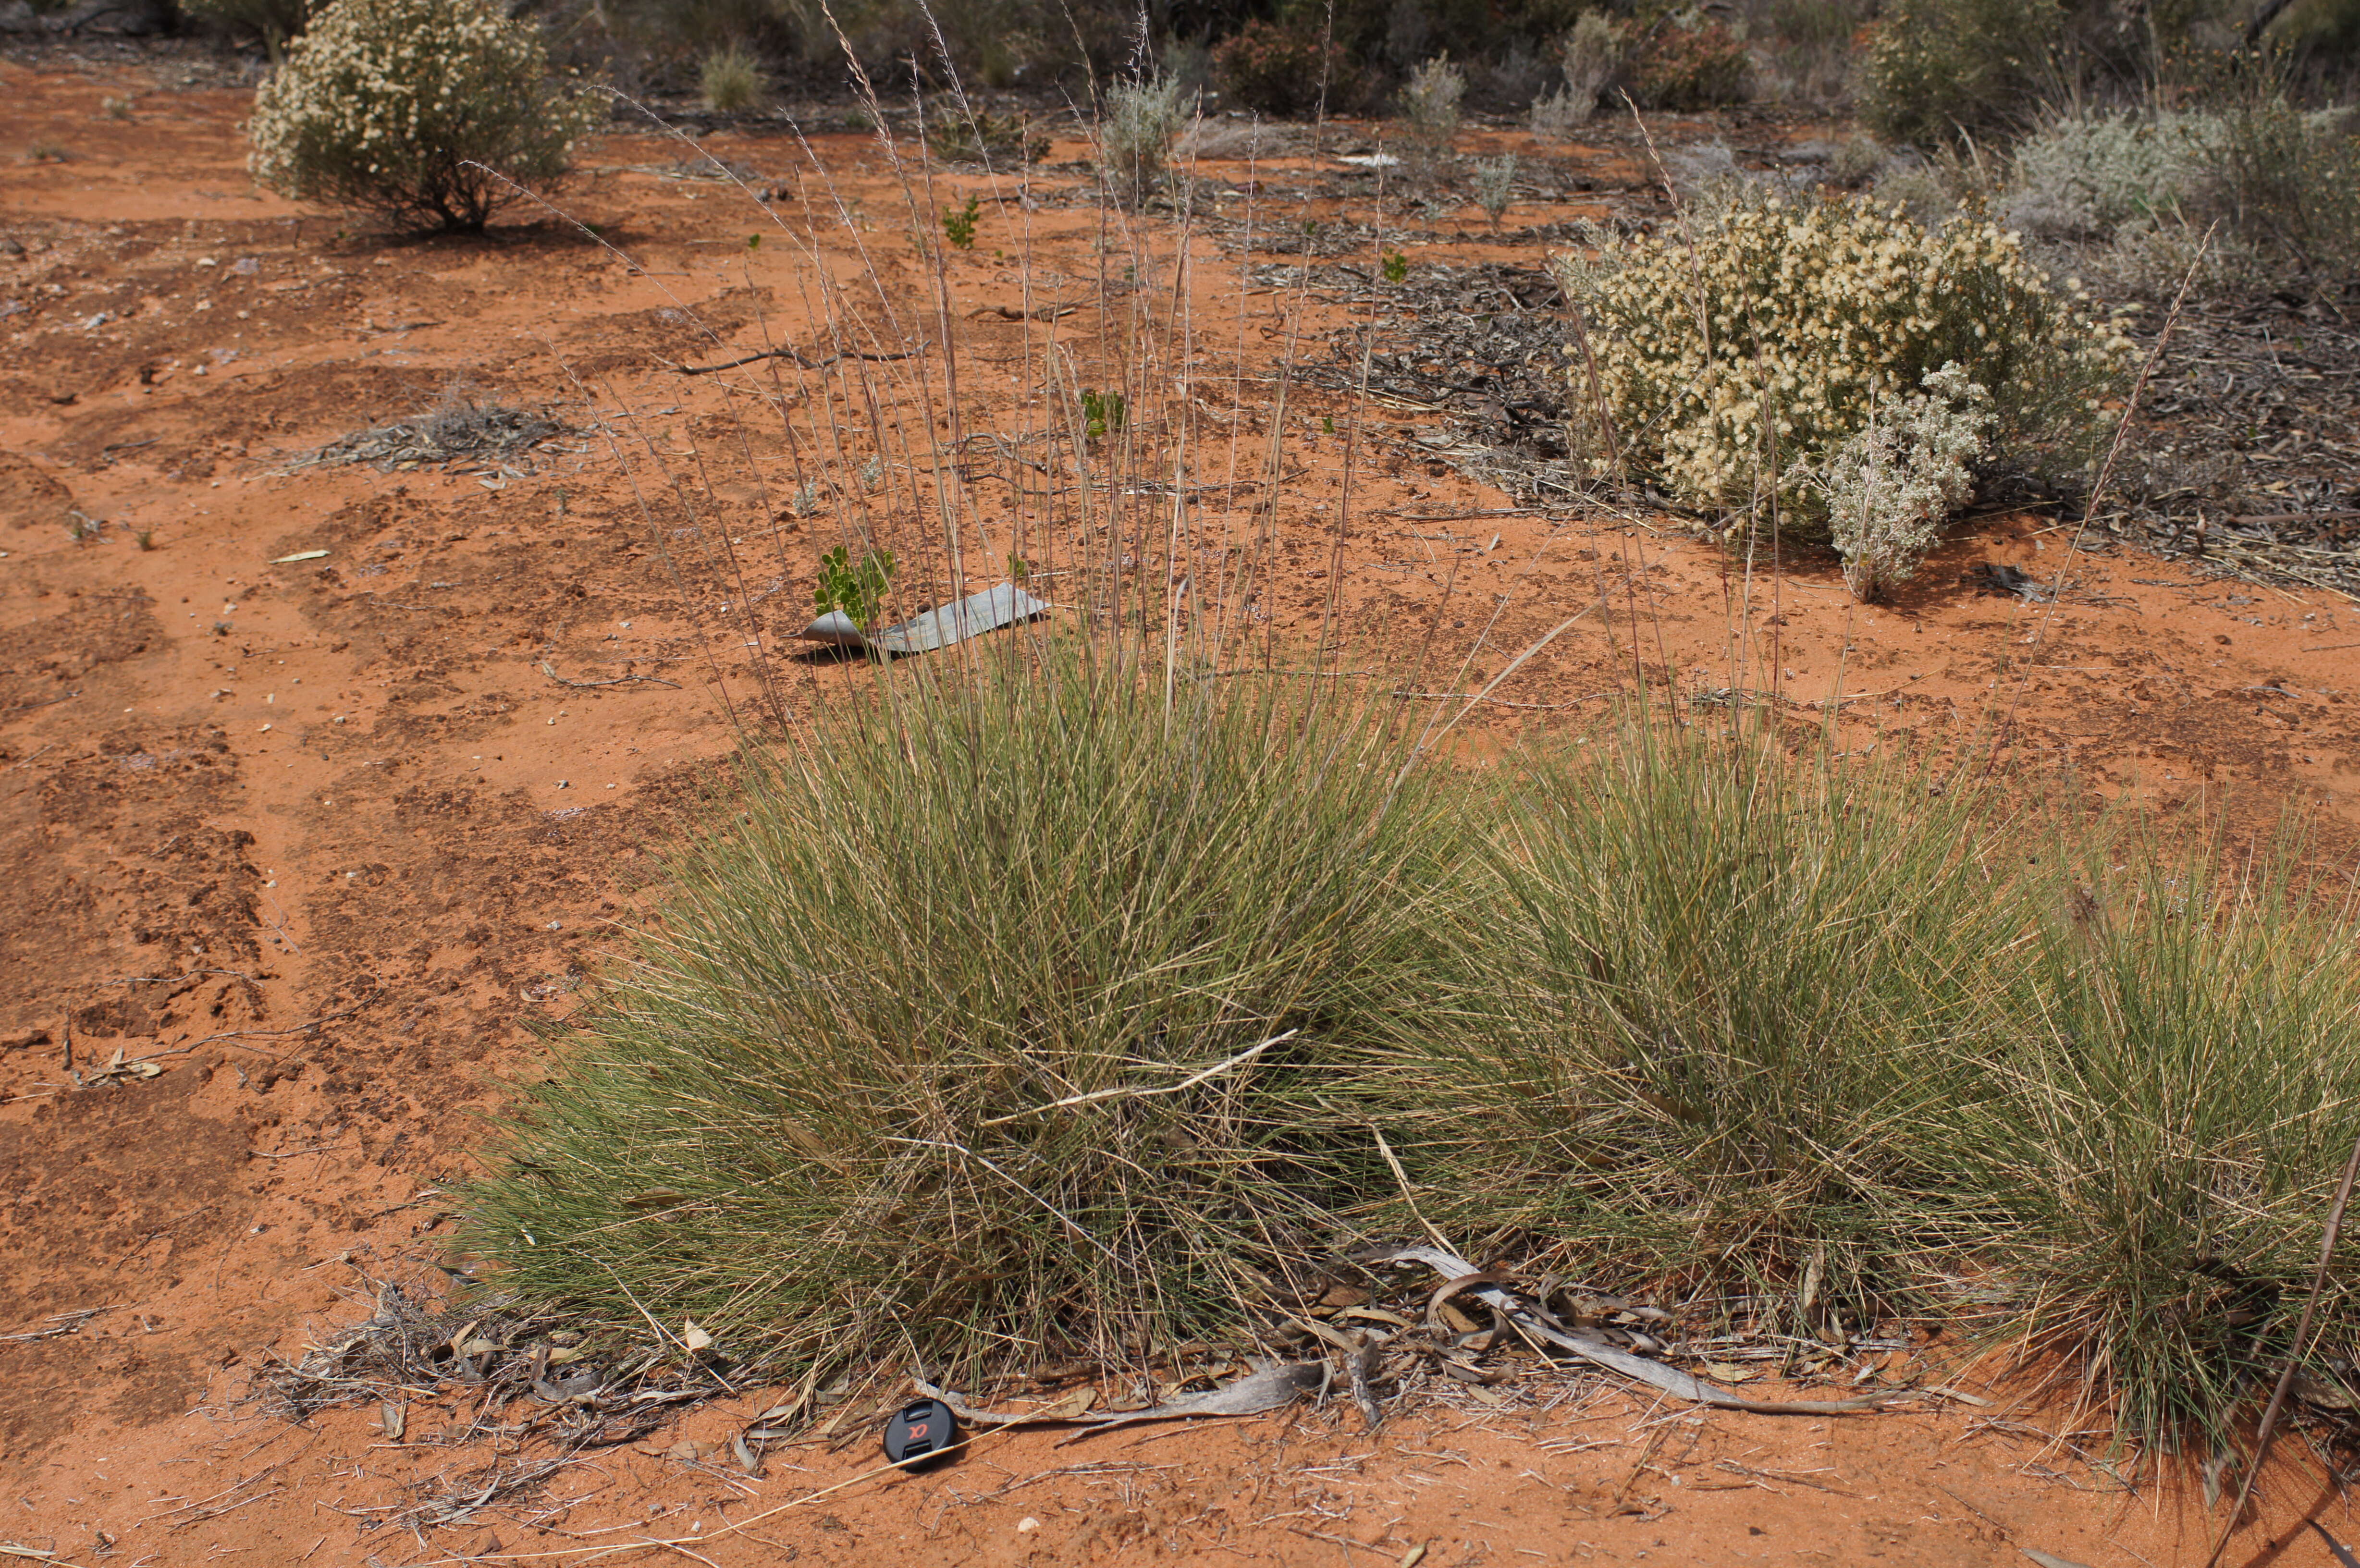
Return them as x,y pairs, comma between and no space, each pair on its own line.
1733,371
1894,481
383,105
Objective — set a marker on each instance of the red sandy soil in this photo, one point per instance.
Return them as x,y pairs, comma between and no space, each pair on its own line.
316,839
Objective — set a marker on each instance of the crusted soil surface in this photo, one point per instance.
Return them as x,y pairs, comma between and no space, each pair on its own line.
322,781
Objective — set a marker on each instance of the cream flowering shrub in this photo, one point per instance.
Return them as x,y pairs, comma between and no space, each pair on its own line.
389,105
1733,371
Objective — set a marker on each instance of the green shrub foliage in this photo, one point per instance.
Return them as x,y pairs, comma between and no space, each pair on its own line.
1938,70
1283,67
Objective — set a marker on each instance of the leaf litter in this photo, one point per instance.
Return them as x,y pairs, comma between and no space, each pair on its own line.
1386,1330
458,428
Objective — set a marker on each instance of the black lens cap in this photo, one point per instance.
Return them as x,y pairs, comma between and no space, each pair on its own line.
919,1432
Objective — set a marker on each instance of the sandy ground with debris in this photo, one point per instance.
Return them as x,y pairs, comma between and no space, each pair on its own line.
301,841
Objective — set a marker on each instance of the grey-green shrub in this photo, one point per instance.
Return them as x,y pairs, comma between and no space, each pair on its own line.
1895,481
1495,185
390,106
2279,188
1430,114
1143,119
2085,178
2288,183
1592,54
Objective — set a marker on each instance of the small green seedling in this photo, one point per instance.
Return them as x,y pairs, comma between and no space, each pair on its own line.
1018,569
856,588
1396,266
145,539
1102,413
753,242
1327,423
958,225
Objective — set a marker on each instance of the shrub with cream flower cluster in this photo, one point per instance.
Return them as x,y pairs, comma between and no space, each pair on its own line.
1894,481
1734,370
385,104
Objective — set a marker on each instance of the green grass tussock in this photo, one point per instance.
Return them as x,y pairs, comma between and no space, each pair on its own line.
1858,1045
1747,985
2164,1144
901,1071
947,1047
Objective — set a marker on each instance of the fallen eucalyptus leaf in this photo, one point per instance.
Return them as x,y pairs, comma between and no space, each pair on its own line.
2324,1392
1592,1347
2342,1554
2049,1559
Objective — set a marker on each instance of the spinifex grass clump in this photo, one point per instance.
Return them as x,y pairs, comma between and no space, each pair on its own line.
1003,1016
1853,1046
1743,986
2167,1142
